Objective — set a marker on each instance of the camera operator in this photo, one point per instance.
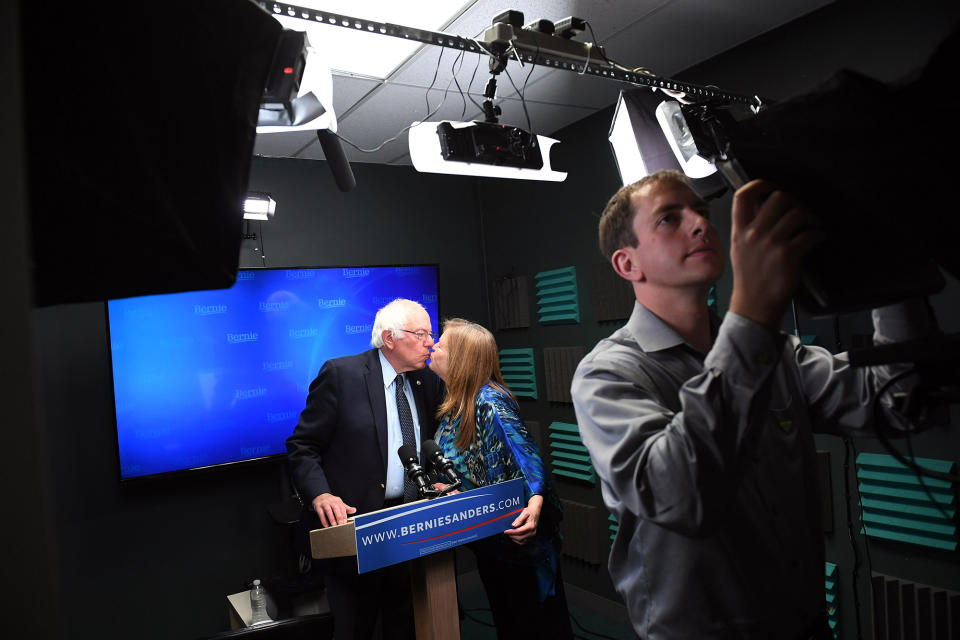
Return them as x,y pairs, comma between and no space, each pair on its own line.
702,431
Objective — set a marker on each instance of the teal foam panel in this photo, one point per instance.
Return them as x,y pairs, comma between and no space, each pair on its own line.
557,298
830,583
910,538
519,372
898,505
569,456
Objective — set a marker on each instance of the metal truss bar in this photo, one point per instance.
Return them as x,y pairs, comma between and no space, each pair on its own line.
370,26
528,47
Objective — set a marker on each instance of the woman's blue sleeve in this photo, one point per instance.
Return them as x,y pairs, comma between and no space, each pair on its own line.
502,420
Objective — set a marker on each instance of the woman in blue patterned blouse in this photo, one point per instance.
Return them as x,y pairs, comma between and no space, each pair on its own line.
482,433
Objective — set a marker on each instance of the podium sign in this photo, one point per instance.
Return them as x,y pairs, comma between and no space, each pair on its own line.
420,528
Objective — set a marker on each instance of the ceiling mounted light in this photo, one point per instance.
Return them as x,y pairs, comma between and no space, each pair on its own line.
642,144
681,141
299,91
636,136
299,97
481,149
259,206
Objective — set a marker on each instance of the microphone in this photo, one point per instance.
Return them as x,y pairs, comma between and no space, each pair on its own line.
411,465
435,457
337,159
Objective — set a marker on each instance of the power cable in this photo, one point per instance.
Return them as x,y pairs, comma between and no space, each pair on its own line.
855,574
885,440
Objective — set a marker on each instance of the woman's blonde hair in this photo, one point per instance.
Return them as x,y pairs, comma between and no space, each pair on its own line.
472,361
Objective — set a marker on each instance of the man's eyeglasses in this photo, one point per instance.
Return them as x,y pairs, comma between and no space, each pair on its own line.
420,335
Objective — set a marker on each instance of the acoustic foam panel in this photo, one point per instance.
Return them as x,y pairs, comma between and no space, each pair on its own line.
559,364
518,371
907,609
830,584
568,454
897,505
511,302
557,300
612,295
582,529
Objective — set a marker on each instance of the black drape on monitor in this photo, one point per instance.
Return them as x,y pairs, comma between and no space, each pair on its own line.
140,126
877,163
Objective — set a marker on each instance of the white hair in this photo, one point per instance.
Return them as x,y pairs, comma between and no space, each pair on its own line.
392,317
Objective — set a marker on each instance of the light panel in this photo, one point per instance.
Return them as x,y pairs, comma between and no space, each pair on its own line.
626,151
681,141
427,157
259,206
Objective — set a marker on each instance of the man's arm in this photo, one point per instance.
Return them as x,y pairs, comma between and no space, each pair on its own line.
310,439
842,397
770,235
678,469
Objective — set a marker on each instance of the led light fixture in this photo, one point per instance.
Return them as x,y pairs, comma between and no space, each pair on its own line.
299,91
641,145
681,141
259,206
482,149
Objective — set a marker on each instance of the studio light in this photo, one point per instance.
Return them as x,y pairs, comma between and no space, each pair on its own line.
299,91
259,206
681,141
649,134
299,97
482,149
636,137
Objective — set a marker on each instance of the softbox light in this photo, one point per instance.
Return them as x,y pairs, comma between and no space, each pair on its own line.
640,147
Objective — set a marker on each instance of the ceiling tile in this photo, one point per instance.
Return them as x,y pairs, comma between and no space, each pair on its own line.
282,145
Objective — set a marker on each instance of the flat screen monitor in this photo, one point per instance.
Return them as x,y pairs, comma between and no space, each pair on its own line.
218,377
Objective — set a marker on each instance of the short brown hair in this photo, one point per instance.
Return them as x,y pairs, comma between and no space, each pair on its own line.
472,361
616,222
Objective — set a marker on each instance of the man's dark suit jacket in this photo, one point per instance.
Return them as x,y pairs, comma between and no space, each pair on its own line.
340,443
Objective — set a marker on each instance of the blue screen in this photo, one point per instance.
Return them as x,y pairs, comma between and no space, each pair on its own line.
212,377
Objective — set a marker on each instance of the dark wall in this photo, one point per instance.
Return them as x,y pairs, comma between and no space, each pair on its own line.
394,216
156,559
530,228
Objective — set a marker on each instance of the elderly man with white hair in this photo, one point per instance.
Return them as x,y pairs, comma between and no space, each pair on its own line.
343,454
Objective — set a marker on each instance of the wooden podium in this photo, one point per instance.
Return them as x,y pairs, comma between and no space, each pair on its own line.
433,581
424,534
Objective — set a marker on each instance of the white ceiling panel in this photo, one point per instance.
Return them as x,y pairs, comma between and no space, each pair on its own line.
348,90
282,145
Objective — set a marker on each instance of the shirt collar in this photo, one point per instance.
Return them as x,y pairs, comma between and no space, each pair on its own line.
389,373
653,334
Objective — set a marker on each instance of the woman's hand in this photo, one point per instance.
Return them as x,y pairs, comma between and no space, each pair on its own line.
439,486
525,526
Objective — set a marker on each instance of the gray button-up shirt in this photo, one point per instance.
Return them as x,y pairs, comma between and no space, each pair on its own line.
708,465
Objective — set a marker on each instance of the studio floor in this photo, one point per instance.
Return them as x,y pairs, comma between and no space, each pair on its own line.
588,623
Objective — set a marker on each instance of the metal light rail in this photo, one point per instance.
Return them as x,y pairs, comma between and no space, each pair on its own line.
502,41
